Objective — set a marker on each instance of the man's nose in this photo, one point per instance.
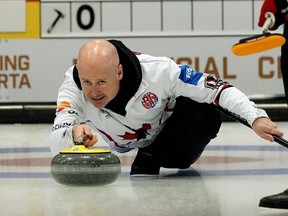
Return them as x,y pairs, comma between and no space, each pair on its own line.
94,90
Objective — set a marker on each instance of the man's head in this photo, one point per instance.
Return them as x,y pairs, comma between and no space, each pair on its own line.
100,71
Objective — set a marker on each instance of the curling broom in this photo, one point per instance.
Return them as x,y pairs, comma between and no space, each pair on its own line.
238,118
260,42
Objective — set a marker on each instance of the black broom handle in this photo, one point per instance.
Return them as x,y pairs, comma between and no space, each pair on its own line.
238,118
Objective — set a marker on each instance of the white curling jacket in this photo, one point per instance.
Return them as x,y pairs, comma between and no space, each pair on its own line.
159,82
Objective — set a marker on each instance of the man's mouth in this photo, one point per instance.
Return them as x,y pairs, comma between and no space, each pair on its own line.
98,98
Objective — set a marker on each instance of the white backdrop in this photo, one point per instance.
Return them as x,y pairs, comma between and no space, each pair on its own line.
32,70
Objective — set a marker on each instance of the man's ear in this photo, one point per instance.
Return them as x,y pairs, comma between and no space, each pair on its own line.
120,71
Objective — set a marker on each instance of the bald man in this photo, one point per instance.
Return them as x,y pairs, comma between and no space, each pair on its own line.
166,111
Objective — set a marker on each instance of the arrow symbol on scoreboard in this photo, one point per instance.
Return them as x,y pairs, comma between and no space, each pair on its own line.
59,16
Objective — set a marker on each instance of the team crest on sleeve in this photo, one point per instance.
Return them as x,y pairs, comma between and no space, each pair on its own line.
214,83
189,75
62,105
149,100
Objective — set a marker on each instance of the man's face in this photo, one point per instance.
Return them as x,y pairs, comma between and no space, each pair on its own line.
100,86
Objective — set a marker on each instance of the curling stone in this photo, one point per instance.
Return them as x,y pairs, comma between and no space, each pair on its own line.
85,166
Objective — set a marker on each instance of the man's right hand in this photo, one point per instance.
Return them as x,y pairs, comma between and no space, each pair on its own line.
276,8
81,131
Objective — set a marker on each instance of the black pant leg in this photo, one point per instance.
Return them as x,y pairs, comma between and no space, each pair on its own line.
284,61
186,133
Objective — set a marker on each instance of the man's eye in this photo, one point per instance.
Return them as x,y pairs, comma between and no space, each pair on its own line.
101,82
86,82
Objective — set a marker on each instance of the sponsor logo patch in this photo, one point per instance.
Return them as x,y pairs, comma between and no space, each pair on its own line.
189,75
62,125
